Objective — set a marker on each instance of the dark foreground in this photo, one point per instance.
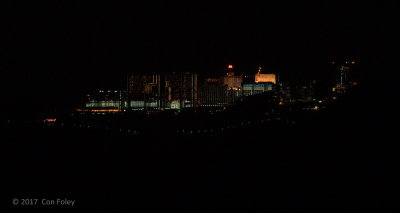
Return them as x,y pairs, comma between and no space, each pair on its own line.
340,161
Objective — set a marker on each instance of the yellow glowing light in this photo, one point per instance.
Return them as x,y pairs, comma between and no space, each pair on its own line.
263,78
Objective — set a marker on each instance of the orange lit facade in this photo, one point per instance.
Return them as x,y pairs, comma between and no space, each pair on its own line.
265,78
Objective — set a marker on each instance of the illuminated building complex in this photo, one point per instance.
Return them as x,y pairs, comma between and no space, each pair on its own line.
220,92
262,83
232,87
159,92
143,91
213,96
178,91
105,101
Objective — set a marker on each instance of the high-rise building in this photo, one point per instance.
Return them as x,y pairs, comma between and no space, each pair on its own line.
220,92
166,91
232,81
213,95
342,80
344,75
143,91
181,88
233,85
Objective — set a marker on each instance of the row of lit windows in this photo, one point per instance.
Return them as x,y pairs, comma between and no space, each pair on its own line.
93,104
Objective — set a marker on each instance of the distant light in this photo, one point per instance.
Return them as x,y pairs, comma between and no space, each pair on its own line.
347,62
98,110
333,62
230,66
353,62
50,120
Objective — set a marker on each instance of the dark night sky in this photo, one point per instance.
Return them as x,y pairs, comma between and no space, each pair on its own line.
53,50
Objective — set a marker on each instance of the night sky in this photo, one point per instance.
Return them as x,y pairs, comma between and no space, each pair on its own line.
53,51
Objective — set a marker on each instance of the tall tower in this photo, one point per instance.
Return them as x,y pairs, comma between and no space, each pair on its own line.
343,73
181,88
